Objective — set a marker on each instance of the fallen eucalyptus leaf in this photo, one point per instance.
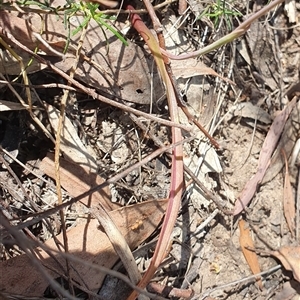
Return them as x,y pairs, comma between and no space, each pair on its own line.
106,64
248,110
246,242
290,258
86,241
192,67
268,147
288,200
76,180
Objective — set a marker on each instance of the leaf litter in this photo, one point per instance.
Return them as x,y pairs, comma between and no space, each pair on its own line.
246,242
212,248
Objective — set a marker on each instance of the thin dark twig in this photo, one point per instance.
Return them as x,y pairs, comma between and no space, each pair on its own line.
207,193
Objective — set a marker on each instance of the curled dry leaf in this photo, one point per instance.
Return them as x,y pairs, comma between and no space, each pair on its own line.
288,200
290,259
246,242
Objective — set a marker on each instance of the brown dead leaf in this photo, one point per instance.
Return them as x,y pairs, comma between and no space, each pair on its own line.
105,63
192,67
86,241
288,200
290,259
246,242
18,27
76,180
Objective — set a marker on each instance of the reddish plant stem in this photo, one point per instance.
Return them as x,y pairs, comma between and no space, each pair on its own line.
177,154
161,40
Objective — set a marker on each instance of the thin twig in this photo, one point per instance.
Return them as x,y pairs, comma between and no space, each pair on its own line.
207,193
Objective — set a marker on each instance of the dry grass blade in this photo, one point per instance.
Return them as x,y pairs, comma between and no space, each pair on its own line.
60,126
118,241
246,242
